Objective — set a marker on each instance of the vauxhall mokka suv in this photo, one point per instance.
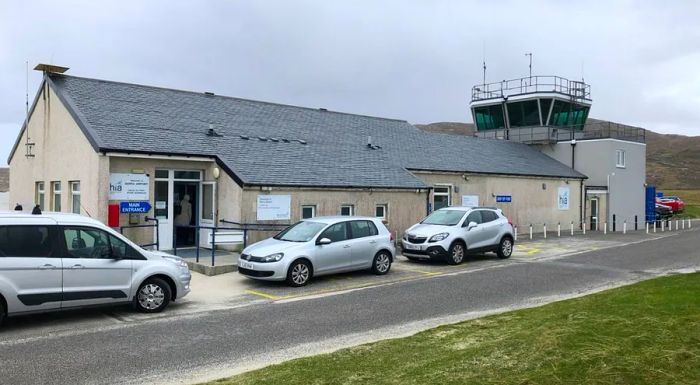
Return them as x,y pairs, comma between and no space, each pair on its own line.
452,232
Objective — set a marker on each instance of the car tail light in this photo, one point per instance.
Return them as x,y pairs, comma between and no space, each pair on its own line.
391,236
510,222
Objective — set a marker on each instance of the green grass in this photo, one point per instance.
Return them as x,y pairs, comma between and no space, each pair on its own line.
647,333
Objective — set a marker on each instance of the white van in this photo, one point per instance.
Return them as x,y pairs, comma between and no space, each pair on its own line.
56,261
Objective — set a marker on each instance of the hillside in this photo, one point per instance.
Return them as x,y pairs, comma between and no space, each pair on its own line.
673,161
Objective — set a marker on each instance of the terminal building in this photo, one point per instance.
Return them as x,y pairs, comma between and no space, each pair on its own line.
123,153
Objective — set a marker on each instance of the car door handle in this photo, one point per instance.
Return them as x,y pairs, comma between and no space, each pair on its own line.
372,242
77,266
346,247
47,266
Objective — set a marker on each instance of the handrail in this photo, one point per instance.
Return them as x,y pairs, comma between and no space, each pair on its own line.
542,83
155,226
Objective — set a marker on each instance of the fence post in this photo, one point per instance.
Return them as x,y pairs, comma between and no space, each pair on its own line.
213,244
545,230
530,231
624,227
559,229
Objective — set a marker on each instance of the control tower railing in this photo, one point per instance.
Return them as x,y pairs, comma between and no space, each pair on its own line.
551,134
577,90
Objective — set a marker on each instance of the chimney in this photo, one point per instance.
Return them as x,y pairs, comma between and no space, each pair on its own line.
369,141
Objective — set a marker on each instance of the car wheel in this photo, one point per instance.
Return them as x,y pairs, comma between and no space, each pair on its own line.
381,263
2,313
455,254
505,248
299,273
153,296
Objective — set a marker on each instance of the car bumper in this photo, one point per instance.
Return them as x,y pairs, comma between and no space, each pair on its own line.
274,271
183,283
424,251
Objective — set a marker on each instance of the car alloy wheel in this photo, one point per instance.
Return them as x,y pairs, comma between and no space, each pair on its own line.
382,263
300,273
507,247
457,253
151,296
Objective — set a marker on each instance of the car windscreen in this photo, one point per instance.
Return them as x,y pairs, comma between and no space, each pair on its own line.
300,232
444,217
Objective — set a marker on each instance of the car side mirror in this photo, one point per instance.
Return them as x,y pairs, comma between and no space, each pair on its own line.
323,241
471,225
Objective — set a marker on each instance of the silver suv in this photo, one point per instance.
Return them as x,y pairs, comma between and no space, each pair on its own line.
452,232
319,246
57,261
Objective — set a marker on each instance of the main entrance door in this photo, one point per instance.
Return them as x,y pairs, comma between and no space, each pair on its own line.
594,213
177,206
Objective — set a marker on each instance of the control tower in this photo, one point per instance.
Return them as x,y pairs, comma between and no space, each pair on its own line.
533,109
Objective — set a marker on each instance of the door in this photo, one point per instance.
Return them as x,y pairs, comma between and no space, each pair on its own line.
476,236
335,256
96,268
594,213
364,243
491,227
30,268
208,212
163,211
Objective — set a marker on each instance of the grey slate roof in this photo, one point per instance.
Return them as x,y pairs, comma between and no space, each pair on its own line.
135,118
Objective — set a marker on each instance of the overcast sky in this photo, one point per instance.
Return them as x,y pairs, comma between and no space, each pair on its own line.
414,60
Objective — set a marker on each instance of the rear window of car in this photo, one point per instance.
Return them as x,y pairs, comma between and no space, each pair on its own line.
362,229
25,241
488,216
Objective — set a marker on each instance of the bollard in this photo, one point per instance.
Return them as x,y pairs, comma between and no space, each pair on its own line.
654,226
683,224
624,227
530,231
584,228
515,233
572,228
647,227
614,228
676,224
663,226
689,224
559,229
544,227
605,227
635,223
597,225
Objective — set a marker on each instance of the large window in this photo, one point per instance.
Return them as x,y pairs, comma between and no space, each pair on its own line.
25,241
441,197
75,197
523,114
56,196
208,201
346,210
308,211
489,117
620,159
160,195
39,194
565,114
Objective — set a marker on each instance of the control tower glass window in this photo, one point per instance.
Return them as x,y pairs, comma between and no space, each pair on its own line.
489,117
565,114
523,114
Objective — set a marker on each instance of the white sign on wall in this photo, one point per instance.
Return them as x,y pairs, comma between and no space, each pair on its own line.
274,207
128,187
470,200
563,200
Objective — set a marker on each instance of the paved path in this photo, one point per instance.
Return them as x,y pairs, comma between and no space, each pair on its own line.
204,338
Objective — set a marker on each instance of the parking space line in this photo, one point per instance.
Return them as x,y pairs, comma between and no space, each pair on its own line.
264,295
429,273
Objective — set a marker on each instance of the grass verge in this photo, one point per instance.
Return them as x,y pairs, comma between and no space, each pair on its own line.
647,333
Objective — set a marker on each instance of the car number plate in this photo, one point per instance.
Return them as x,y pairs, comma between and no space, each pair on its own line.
412,247
247,265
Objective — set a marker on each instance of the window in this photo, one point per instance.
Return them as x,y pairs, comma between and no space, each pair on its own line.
75,197
25,241
160,194
444,217
488,216
300,231
162,174
620,158
346,210
441,197
380,211
85,242
489,117
39,195
308,211
523,114
208,201
196,175
361,229
336,233
474,216
56,195
565,114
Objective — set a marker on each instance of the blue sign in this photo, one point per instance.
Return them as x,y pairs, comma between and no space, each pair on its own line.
504,198
659,194
134,207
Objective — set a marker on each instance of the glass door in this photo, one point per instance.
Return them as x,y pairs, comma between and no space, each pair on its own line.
162,208
208,212
594,213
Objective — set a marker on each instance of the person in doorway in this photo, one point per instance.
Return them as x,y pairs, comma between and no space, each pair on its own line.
184,218
18,207
36,210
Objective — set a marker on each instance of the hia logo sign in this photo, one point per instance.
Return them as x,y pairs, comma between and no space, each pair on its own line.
128,187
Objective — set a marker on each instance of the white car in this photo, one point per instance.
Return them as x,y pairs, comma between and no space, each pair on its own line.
56,261
452,232
319,246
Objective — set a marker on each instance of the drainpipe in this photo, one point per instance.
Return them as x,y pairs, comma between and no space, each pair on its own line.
581,203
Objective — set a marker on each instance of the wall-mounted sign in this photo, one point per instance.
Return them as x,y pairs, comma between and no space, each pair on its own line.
274,207
563,198
470,200
134,207
128,187
504,198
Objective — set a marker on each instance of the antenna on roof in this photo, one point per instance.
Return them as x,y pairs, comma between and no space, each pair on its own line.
530,66
484,50
28,144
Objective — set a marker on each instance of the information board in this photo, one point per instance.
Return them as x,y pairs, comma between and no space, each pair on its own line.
563,199
470,200
128,187
274,207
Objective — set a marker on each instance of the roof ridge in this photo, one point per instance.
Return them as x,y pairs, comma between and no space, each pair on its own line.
54,75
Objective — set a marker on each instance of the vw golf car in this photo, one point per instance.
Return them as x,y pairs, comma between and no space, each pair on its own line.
452,232
319,246
58,261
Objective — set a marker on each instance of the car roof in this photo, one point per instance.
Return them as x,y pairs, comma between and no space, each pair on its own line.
338,218
470,208
47,217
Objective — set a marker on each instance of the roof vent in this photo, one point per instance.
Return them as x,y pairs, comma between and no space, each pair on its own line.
323,109
274,140
245,137
264,139
211,132
301,141
208,93
285,140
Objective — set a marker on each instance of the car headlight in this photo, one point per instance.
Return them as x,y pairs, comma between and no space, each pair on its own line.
272,257
439,237
176,260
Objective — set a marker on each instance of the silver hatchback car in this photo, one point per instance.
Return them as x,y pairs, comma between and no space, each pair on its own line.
57,261
320,246
452,232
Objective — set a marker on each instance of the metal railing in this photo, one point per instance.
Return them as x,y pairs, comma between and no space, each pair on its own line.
552,134
155,244
575,89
